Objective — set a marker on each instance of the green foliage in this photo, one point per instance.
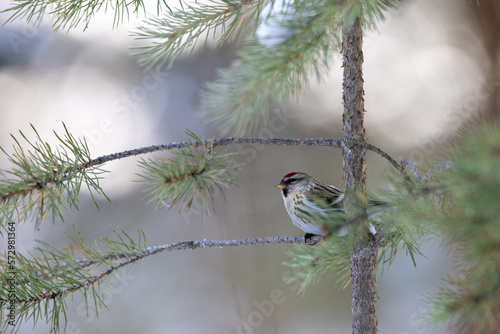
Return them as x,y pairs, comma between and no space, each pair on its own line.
45,180
407,221
262,78
470,224
240,100
181,29
187,173
309,263
39,286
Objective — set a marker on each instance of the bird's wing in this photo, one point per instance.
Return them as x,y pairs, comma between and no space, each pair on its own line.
325,207
328,197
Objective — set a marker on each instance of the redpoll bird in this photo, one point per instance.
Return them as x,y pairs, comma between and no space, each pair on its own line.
314,207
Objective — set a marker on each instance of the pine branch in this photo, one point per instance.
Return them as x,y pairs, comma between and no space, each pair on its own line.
39,287
238,101
176,246
469,223
184,245
44,180
268,76
181,29
69,14
187,173
215,143
400,167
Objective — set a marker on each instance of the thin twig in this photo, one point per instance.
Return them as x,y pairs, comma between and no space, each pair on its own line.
393,162
194,244
406,162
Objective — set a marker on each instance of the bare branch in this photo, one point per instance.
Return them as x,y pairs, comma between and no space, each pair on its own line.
406,162
399,167
194,244
215,142
181,245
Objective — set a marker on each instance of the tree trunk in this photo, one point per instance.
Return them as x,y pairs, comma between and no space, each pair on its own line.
365,250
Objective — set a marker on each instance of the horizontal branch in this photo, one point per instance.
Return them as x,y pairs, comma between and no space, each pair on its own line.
215,142
195,244
323,142
398,166
182,245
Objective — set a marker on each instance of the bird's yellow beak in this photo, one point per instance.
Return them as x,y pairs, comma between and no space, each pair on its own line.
281,186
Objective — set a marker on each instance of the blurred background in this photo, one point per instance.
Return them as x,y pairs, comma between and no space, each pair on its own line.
430,67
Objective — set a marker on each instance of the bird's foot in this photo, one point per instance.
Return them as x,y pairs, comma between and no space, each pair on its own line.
311,239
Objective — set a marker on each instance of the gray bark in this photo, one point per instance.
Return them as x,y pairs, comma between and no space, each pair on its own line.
365,250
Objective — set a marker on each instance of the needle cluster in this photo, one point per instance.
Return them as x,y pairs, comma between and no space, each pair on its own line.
44,180
470,225
193,171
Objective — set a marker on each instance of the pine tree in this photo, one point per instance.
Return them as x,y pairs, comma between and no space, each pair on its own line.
456,199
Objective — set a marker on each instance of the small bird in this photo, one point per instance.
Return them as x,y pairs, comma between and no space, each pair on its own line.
314,207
